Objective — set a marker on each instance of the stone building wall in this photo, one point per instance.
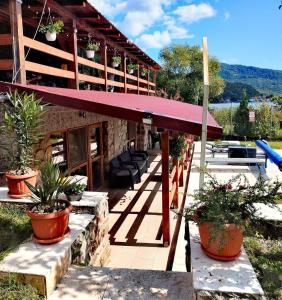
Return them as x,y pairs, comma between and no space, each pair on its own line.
60,118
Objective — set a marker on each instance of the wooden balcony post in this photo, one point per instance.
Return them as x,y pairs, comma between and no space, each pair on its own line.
148,79
175,197
138,77
165,189
105,59
19,73
74,84
155,81
124,72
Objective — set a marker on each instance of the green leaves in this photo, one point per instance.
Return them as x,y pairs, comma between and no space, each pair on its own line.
52,27
21,125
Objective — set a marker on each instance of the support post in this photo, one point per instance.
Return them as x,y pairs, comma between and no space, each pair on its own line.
175,197
105,59
155,81
138,77
205,110
148,79
165,189
19,72
74,84
124,72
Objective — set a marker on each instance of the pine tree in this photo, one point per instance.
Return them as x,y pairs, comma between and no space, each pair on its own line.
242,126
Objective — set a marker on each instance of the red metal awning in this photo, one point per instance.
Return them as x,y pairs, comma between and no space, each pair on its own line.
168,114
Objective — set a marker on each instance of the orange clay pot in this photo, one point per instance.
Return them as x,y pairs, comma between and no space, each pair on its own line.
50,228
16,183
233,240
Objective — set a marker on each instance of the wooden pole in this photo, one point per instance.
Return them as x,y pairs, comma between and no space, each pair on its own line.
74,65
105,58
138,77
165,189
205,111
19,74
124,72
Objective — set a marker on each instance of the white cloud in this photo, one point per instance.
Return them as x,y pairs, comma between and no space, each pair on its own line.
227,15
109,7
192,13
176,31
155,40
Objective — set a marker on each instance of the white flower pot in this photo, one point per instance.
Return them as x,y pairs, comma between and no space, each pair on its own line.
51,36
130,71
90,53
115,65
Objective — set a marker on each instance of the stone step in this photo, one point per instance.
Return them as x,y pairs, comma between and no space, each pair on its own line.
106,283
44,265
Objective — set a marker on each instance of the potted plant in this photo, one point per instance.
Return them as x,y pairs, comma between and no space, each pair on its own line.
51,29
74,192
176,146
223,210
116,60
49,215
21,125
131,67
91,48
144,72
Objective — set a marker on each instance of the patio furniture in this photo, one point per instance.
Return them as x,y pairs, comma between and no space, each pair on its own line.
155,138
125,158
139,155
121,174
237,160
242,151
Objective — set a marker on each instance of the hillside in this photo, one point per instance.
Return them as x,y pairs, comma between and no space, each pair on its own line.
266,81
233,91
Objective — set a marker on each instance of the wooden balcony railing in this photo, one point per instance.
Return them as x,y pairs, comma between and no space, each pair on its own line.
48,70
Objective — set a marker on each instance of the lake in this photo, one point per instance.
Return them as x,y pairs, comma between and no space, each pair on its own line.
236,104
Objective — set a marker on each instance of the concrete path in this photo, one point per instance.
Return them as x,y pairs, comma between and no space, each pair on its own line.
116,284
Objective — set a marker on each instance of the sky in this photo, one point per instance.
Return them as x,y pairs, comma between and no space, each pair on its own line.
246,32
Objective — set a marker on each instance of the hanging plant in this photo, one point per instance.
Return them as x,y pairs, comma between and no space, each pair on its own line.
144,72
51,29
91,48
131,67
176,146
116,60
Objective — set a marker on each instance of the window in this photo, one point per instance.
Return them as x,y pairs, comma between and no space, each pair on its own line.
77,140
95,141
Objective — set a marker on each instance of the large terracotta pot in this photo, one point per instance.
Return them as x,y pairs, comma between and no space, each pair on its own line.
232,243
50,228
16,183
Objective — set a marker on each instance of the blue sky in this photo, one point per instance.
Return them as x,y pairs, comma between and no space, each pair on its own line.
247,32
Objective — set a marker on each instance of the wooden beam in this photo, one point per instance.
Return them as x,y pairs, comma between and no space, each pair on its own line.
103,26
175,196
16,21
42,69
5,39
74,65
92,79
6,64
165,189
138,77
105,59
124,73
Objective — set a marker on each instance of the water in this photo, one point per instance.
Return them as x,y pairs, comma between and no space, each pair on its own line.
236,105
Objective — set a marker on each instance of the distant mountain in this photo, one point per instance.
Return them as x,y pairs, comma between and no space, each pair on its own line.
233,91
266,81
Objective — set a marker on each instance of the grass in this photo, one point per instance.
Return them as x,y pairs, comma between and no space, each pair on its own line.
264,249
15,227
10,289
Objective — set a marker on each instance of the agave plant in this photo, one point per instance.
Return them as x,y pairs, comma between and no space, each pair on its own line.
50,185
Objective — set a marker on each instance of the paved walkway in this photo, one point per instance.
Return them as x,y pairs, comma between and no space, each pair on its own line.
135,224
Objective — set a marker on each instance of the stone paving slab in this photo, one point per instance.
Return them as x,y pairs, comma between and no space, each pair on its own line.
44,265
117,284
231,277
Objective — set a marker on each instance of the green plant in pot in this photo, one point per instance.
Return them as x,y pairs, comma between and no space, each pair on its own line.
223,210
51,29
116,60
50,215
144,72
74,192
21,127
176,146
131,68
91,48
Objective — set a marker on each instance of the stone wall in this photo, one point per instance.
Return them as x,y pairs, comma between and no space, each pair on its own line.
60,118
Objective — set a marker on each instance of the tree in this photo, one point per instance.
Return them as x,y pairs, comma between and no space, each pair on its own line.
182,73
242,125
